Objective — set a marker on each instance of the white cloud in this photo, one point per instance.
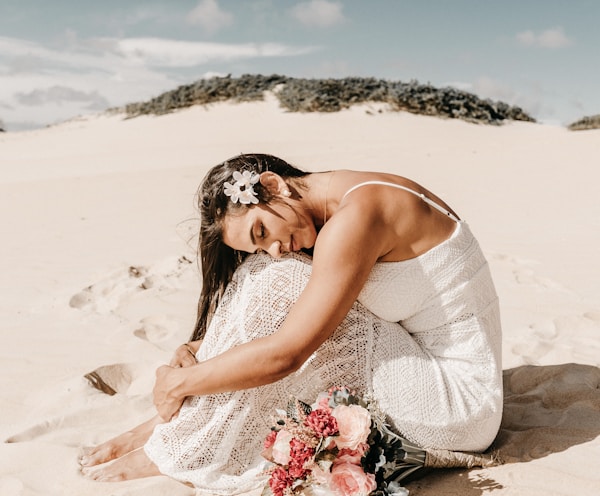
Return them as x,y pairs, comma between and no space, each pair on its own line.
46,84
18,55
62,94
528,98
319,13
209,16
550,38
158,52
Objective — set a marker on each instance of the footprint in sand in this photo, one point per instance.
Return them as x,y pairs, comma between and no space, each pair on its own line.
106,295
593,315
582,333
160,330
524,274
529,277
576,335
538,342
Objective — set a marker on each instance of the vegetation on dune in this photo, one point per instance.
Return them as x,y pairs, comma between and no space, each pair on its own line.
588,122
331,95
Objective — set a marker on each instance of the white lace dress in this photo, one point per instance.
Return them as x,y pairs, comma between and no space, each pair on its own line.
437,375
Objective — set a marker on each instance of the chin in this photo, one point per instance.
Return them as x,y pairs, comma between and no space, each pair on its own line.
310,245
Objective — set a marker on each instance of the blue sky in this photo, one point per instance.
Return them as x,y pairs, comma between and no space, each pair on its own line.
61,58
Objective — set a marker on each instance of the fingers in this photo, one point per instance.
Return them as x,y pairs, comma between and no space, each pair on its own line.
182,361
164,401
191,352
178,356
184,356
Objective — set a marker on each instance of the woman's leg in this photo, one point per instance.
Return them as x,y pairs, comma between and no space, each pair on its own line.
133,465
120,445
215,440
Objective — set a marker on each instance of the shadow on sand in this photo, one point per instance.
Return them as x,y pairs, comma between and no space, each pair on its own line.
547,409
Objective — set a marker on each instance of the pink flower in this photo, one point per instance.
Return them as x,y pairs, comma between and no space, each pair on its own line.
322,423
279,481
354,424
281,447
323,402
270,439
300,454
351,480
347,455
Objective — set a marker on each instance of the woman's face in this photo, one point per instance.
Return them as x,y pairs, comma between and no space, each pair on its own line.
275,228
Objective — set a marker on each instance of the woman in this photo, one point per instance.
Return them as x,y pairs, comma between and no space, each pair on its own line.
423,338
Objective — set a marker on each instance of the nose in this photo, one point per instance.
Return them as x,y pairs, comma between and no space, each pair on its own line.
274,249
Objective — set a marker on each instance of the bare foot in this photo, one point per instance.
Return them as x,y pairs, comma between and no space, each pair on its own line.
134,465
120,445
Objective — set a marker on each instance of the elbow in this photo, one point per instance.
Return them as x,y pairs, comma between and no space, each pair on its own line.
284,364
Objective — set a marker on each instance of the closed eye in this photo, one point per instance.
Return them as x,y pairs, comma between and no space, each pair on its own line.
261,235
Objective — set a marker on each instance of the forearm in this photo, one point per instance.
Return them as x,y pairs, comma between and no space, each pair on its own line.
311,320
268,359
253,364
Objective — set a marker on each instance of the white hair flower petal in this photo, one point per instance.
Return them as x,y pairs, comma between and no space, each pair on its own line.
245,180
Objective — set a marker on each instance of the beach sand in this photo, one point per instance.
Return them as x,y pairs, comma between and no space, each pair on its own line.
99,273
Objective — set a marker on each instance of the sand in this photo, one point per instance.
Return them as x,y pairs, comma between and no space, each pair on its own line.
98,272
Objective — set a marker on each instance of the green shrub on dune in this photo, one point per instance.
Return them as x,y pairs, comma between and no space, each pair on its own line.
588,122
332,95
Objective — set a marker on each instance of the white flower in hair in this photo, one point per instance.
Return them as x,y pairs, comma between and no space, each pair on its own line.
244,180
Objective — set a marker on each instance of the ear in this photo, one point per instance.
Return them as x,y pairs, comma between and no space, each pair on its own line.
273,183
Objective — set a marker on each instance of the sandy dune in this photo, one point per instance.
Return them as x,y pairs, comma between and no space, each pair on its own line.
99,274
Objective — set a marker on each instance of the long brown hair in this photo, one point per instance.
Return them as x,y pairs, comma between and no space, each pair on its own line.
219,261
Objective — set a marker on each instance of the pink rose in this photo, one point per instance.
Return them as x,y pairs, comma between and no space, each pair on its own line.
281,447
354,425
347,455
350,480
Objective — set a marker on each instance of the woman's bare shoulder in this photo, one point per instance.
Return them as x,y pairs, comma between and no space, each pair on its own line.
344,180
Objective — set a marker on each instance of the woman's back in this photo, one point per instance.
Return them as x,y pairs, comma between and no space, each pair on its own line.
416,226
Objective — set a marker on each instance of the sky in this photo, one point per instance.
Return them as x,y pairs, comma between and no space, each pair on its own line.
64,58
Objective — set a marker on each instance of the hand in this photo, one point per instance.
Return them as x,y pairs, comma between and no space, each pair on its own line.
167,403
185,355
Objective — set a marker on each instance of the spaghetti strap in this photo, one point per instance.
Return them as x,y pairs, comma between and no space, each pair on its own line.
427,200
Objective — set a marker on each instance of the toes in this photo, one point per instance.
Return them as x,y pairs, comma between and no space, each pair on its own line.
88,461
88,472
86,454
95,456
104,474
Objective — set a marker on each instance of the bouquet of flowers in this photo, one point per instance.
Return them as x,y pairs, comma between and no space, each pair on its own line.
342,446
339,446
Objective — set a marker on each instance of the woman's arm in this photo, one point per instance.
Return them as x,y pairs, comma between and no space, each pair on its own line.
345,252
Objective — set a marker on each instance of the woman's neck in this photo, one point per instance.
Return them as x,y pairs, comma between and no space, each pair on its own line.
316,194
